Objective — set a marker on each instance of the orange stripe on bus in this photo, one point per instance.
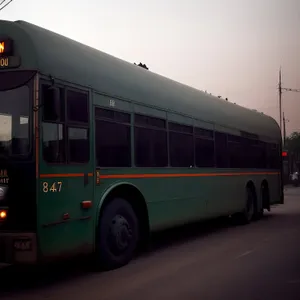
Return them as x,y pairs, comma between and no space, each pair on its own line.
65,175
119,176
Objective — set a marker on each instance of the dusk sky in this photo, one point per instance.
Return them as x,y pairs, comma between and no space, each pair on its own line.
232,48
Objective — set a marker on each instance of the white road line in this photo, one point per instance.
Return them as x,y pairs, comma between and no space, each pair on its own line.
244,254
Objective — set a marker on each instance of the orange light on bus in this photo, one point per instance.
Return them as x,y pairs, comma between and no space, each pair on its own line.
3,215
2,47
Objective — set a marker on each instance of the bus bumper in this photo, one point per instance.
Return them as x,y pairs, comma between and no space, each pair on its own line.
18,248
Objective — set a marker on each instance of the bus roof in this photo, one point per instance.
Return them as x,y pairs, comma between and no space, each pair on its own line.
65,59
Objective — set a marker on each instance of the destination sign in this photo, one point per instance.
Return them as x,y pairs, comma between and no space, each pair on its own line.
6,47
9,62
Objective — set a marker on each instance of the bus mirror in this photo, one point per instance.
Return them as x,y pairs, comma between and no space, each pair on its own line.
54,104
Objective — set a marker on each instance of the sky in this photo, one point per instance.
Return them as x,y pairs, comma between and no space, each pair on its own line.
231,48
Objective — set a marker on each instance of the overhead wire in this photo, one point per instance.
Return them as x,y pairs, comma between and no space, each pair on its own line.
5,4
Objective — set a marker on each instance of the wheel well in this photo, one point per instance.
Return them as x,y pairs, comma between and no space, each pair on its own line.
137,201
265,195
251,186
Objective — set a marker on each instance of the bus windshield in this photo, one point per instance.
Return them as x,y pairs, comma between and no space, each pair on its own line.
14,121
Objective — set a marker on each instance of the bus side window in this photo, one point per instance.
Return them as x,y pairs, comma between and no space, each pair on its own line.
204,148
150,137
78,126
181,142
112,138
222,159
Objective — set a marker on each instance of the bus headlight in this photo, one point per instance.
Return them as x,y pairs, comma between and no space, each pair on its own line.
3,214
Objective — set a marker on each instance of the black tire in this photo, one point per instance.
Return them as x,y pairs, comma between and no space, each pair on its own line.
259,211
265,194
118,234
247,215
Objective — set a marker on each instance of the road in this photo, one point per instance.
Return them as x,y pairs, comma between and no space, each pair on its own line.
205,261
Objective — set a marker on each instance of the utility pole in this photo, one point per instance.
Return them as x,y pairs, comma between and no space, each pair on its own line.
280,101
280,89
284,129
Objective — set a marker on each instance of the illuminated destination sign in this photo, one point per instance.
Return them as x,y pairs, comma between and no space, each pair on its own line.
6,47
7,60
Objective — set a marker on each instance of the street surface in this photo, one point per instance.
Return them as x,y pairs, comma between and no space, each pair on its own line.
205,261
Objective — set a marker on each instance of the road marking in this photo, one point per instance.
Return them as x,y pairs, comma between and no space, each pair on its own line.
244,254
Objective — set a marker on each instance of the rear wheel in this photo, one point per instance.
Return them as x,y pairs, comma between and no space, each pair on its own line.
118,234
264,195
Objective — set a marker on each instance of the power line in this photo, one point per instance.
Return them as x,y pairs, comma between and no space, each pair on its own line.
280,90
5,5
291,90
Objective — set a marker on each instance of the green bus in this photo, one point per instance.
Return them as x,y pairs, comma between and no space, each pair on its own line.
97,153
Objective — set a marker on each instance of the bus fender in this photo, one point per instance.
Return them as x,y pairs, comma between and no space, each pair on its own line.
106,193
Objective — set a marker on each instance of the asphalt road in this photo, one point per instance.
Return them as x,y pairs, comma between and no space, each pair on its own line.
205,261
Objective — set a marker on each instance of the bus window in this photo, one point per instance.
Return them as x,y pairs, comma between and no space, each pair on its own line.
112,138
181,141
150,138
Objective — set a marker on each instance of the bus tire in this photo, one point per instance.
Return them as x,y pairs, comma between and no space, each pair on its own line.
259,213
118,234
246,216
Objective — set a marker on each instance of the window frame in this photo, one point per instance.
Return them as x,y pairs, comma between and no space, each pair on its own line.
151,127
211,137
65,123
112,120
173,129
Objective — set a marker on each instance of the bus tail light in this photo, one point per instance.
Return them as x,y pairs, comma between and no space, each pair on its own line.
86,204
3,214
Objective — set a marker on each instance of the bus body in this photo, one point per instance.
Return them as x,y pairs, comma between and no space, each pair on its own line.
96,153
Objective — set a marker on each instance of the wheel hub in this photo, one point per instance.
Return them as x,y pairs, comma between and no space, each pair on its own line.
120,234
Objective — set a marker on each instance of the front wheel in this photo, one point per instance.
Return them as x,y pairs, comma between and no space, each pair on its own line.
118,234
246,216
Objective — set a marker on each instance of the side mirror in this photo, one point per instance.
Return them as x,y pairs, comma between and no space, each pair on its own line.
55,101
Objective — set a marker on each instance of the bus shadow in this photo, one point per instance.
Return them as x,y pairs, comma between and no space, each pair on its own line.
17,280
189,232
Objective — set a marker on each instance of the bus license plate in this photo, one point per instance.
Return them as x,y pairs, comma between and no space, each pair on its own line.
24,244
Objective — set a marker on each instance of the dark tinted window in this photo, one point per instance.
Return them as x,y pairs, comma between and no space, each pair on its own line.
180,128
222,159
205,133
77,107
112,144
204,147
79,146
204,152
147,121
150,147
150,137
235,151
10,80
181,149
273,156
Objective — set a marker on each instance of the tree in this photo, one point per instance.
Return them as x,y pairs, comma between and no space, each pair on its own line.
292,142
292,145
